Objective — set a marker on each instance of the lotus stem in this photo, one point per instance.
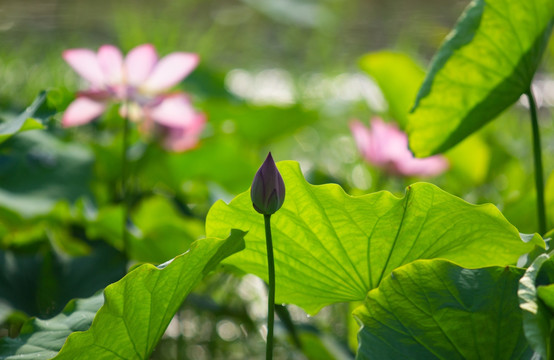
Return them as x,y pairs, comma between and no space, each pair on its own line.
537,157
271,295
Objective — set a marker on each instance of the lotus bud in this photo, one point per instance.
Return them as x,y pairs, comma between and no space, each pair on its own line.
268,188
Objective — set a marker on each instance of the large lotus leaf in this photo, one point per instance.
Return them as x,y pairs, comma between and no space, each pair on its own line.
139,307
483,67
434,309
37,171
32,118
42,339
398,77
343,246
537,317
41,284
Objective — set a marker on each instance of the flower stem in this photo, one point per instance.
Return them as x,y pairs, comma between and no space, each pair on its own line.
124,175
537,157
271,295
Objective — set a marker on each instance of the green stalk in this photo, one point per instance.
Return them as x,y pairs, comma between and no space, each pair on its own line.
271,295
124,175
537,157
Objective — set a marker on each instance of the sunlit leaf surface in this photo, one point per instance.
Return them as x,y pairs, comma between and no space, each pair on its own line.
139,307
483,67
434,309
343,246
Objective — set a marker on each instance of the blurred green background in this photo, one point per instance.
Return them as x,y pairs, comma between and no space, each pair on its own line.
284,76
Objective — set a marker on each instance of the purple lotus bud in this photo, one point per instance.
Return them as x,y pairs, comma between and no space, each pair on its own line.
268,188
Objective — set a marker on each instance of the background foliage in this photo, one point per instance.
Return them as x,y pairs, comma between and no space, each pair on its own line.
284,77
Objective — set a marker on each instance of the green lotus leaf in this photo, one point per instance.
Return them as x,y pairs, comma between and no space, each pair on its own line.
434,309
139,307
42,339
486,63
343,246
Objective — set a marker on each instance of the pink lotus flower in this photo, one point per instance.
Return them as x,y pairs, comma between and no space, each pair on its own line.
139,82
386,147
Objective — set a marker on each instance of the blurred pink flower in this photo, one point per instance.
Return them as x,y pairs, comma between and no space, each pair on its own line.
386,147
178,129
139,82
